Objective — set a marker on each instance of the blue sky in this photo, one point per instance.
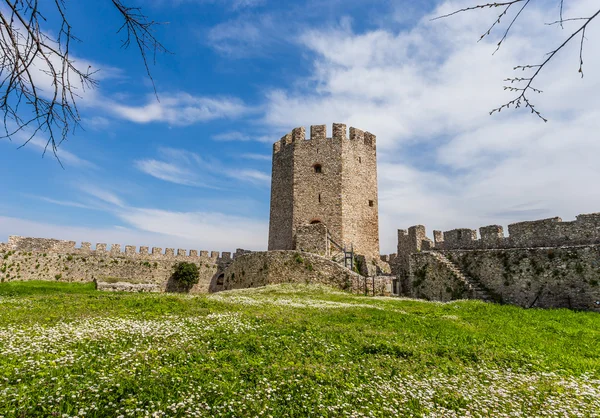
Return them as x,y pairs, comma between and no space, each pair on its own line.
193,170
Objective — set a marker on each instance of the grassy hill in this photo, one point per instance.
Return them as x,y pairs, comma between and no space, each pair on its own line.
288,351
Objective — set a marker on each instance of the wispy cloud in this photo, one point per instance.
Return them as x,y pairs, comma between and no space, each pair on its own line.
244,36
243,136
190,169
252,176
153,227
180,109
167,171
426,93
234,5
102,195
66,203
259,157
38,143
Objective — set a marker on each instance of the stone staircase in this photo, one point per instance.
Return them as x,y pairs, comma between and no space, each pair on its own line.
475,288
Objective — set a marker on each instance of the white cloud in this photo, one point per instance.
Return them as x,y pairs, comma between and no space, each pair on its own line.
37,143
259,157
66,203
190,169
207,229
231,4
426,93
216,230
102,195
244,36
167,172
201,231
180,109
242,136
252,176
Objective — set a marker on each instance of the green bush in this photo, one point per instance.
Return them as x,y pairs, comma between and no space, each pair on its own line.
186,274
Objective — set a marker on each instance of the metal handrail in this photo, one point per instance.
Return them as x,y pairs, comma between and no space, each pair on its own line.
338,246
348,255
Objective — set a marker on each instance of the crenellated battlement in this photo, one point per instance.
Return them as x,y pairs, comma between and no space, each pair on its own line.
55,246
551,232
319,133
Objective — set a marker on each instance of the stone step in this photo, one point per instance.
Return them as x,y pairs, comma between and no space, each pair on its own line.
474,286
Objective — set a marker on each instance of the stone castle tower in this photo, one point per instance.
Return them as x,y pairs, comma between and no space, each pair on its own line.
329,182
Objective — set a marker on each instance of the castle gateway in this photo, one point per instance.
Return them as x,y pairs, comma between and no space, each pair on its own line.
324,191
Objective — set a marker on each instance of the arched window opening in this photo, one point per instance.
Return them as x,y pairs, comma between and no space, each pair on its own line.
359,160
371,203
319,197
318,168
221,279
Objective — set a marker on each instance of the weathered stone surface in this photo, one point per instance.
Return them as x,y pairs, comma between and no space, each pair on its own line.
561,268
48,259
562,277
327,180
313,239
274,267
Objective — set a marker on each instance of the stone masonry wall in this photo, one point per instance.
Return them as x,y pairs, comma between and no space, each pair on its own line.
273,267
552,232
318,195
360,205
332,181
313,239
48,259
563,277
545,263
281,235
432,280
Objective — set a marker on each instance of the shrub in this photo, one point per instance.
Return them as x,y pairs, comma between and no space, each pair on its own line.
186,274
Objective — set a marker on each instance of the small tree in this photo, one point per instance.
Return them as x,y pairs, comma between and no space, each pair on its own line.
186,274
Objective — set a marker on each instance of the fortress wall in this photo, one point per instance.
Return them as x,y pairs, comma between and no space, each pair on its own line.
551,232
564,277
431,279
49,259
409,241
567,277
274,267
544,263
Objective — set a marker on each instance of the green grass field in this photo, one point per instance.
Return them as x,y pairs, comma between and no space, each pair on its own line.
68,350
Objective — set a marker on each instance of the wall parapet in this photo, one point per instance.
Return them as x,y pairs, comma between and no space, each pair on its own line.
551,232
55,246
319,133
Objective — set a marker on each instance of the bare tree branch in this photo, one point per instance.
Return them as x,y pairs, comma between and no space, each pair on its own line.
524,85
40,82
140,30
